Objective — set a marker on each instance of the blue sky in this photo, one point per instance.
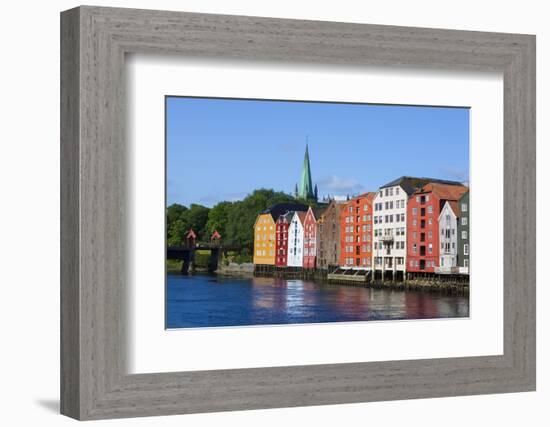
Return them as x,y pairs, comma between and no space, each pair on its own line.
220,149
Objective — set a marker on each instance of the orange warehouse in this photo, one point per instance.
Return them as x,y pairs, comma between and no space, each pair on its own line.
356,232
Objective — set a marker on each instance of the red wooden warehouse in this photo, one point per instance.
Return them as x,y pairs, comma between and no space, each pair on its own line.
281,239
310,240
423,209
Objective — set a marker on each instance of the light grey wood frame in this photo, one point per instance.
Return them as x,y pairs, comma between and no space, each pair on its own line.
94,41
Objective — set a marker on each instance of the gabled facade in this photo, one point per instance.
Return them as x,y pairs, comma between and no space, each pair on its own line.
423,210
464,233
264,231
448,246
296,240
328,236
264,240
390,223
281,239
390,220
310,240
356,232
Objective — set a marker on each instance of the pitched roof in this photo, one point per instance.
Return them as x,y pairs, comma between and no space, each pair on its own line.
318,211
444,191
282,208
410,184
301,215
370,195
465,194
453,204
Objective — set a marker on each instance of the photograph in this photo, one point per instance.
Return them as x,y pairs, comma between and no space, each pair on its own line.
305,212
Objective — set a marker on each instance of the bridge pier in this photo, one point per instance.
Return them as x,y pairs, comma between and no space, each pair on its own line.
213,260
188,262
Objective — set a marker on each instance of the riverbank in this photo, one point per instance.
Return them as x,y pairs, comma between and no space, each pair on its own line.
447,284
237,270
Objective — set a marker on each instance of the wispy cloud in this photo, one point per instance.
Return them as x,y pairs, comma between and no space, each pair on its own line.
339,185
455,173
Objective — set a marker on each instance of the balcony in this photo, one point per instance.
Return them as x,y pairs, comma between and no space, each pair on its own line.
386,239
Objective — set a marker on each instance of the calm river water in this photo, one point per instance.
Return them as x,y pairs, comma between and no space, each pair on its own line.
207,301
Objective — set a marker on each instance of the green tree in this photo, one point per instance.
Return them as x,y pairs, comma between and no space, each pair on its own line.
218,218
233,220
197,216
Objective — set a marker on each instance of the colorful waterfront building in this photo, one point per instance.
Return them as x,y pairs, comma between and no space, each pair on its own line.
464,233
356,228
310,240
448,237
423,235
390,224
265,233
328,236
295,256
281,238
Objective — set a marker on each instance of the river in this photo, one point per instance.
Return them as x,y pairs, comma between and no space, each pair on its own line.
209,301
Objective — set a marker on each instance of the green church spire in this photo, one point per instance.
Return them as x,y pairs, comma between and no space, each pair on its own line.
306,186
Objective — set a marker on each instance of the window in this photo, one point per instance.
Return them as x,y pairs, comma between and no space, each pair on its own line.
466,249
414,248
417,199
464,220
464,207
403,217
414,211
464,234
396,191
466,263
429,234
430,209
430,248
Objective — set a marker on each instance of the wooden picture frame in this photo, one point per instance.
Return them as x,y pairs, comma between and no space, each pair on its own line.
94,41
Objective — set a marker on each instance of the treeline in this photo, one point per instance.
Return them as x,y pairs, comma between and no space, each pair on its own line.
233,220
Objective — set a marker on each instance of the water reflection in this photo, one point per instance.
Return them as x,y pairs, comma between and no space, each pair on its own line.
207,301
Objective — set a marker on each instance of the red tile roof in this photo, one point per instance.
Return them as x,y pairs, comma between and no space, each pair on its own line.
444,191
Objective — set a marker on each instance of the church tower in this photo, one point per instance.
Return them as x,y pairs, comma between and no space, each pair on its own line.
305,190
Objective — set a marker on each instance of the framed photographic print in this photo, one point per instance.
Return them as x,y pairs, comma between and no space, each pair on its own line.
262,213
